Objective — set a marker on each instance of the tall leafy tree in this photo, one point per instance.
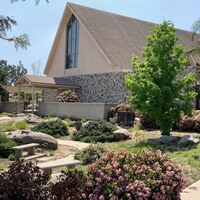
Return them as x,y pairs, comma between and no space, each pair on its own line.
196,38
156,85
6,24
11,72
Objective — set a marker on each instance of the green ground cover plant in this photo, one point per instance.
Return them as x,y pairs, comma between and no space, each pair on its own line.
12,126
69,122
6,145
90,154
3,114
95,131
2,166
21,125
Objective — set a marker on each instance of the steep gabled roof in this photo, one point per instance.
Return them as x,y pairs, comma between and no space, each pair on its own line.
118,37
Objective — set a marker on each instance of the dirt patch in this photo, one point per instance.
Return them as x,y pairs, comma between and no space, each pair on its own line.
64,151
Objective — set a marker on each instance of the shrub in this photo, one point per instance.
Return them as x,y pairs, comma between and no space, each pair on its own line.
69,122
148,123
21,125
71,185
6,114
186,124
190,123
121,107
22,181
55,128
6,145
95,131
196,118
90,154
123,175
67,96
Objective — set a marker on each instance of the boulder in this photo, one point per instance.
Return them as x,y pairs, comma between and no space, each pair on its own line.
169,139
121,134
113,120
25,137
77,125
33,119
187,140
86,123
153,141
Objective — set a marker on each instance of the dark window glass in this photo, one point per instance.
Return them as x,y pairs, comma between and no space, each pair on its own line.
72,43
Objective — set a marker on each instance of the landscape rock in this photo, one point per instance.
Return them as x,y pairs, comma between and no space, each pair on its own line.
121,134
86,123
169,139
187,140
25,137
77,125
33,119
137,121
153,141
172,148
19,115
113,120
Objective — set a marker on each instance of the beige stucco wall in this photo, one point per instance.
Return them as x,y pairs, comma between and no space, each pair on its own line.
94,111
90,60
57,66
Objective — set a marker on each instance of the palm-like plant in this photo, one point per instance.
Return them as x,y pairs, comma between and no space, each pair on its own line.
195,38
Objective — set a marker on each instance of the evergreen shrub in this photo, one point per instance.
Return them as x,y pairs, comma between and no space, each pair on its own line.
95,131
55,128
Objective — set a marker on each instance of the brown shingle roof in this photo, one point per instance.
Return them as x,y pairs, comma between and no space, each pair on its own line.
47,81
119,36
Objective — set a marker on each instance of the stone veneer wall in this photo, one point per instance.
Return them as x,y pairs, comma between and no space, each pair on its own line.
101,88
49,95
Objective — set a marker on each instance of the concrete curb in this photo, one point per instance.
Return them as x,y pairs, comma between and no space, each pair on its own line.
192,192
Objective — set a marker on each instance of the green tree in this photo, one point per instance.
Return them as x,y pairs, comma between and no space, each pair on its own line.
157,87
10,73
6,24
195,49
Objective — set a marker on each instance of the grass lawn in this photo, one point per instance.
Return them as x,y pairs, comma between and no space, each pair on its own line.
188,159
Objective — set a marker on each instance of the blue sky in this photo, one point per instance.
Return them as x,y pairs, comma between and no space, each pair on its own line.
41,22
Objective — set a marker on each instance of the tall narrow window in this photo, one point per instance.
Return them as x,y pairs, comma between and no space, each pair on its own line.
72,43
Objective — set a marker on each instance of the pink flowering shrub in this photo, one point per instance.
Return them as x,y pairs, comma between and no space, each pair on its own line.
148,123
190,123
186,124
126,176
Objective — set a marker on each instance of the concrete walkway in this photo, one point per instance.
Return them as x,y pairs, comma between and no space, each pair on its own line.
192,192
76,144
